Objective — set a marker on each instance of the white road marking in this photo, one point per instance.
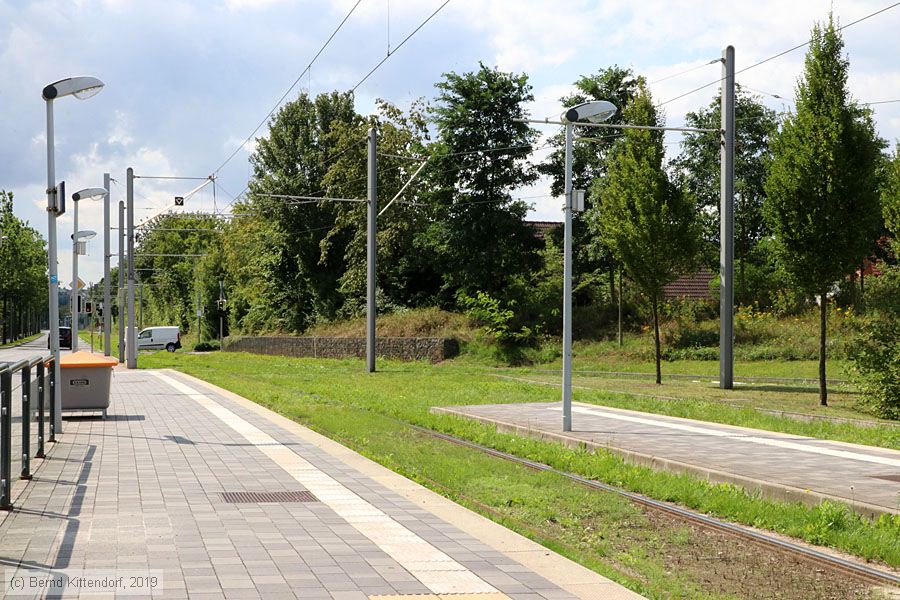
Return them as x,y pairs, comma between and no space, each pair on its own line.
764,441
435,569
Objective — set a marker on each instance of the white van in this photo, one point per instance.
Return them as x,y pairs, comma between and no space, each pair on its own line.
157,338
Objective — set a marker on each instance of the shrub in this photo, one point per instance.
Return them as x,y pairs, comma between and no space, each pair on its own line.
206,346
875,351
495,319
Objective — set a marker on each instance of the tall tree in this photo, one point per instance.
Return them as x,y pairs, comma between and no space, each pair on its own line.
822,201
293,159
23,273
405,276
649,223
592,257
478,233
698,167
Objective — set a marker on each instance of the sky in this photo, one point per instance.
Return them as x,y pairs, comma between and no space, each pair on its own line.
187,82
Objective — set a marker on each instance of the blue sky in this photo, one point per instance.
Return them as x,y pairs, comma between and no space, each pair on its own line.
188,81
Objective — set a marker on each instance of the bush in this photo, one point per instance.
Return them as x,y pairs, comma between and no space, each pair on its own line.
875,352
206,346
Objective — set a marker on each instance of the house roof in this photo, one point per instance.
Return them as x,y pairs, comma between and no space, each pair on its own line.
694,287
542,228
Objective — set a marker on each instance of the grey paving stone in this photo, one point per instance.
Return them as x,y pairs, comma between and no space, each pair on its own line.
129,493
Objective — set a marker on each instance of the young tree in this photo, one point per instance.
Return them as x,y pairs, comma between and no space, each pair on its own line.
698,167
593,262
478,231
822,201
649,223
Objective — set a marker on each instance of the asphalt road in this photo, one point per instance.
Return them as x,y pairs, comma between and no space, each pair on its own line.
27,350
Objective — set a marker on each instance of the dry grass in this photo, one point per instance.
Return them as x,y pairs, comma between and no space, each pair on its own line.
425,322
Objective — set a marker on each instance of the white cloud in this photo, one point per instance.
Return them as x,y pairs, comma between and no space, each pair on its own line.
238,5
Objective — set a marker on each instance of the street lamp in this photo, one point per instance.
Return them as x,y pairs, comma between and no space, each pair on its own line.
82,88
77,236
594,112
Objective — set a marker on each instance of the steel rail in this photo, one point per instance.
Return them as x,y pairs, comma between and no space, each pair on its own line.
860,571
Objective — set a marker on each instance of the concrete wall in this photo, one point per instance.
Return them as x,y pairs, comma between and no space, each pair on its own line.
432,349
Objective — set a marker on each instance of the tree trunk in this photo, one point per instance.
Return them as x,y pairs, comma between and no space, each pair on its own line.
621,333
862,285
656,337
823,315
612,282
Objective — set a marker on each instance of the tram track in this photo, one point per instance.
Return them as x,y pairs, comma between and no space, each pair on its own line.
851,568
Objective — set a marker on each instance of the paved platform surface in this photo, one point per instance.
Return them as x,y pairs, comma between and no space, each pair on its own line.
780,465
143,492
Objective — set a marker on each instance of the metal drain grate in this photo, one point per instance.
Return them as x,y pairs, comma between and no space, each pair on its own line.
888,477
268,497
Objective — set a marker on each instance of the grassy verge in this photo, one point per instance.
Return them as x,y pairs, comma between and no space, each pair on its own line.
336,398
24,340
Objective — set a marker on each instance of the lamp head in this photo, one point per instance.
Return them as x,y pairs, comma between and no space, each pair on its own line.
80,87
85,234
89,194
595,111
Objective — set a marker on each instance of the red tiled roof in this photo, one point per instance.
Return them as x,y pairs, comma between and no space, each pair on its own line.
694,287
542,228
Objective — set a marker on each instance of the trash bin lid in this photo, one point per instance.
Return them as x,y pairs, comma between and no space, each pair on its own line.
86,359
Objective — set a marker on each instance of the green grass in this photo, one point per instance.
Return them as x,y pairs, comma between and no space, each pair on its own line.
24,340
339,400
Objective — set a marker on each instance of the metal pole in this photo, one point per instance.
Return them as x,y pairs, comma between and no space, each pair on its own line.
567,288
52,266
141,307
42,403
107,318
26,423
75,291
370,251
131,349
119,295
199,336
621,333
221,309
726,226
5,438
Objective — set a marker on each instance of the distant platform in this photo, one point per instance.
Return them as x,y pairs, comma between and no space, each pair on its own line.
780,466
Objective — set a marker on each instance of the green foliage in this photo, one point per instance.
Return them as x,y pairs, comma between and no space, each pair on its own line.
698,167
890,193
494,317
477,234
168,266
875,353
209,346
592,258
293,159
23,273
822,203
649,223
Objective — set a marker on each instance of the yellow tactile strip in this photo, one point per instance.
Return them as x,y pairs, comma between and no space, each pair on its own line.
569,576
432,567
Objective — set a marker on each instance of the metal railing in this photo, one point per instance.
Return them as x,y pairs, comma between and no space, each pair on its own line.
36,385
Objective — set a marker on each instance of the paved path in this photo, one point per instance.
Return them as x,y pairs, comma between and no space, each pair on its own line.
779,465
27,350
144,493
